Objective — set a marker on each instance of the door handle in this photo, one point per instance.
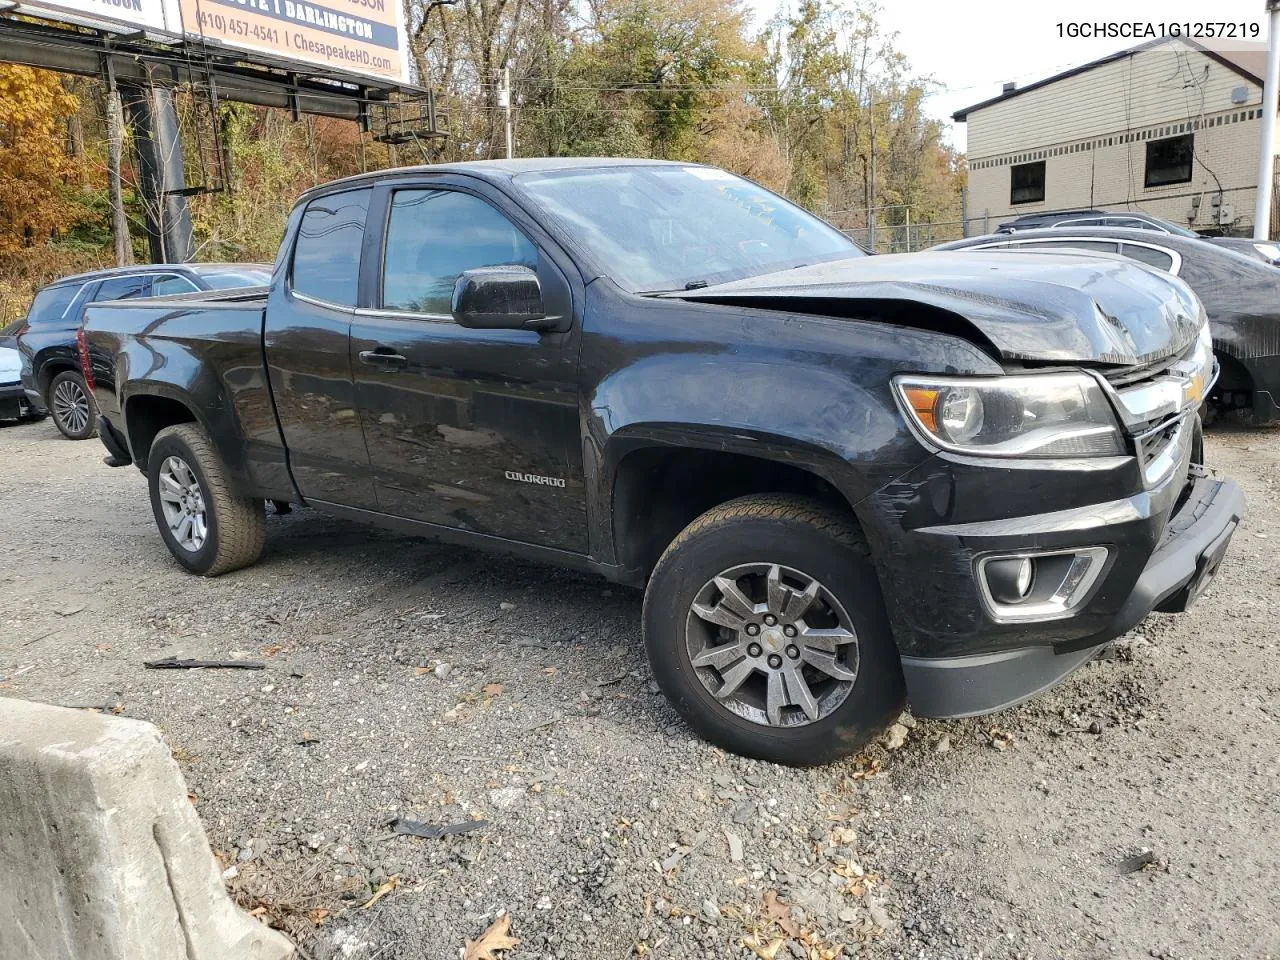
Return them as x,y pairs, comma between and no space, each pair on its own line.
383,357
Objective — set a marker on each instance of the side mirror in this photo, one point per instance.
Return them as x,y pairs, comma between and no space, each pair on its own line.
498,298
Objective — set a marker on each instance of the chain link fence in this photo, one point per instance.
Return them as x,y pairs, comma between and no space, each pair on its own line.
899,229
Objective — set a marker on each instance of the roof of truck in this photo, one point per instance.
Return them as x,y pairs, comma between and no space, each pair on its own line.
502,169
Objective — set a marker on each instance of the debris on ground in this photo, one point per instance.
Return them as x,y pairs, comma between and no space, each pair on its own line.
497,938
387,886
173,663
895,736
1139,861
432,831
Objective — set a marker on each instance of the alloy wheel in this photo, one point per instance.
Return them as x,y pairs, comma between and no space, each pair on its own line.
772,644
183,504
71,406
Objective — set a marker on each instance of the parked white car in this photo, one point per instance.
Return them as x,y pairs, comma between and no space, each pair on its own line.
14,404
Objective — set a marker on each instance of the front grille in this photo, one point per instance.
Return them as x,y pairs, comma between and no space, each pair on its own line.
1156,414
1157,445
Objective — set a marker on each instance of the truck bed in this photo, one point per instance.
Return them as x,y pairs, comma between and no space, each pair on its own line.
207,345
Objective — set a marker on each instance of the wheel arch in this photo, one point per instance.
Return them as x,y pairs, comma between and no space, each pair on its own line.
148,412
660,480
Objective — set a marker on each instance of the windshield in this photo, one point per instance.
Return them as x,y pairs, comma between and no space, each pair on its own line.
239,278
659,228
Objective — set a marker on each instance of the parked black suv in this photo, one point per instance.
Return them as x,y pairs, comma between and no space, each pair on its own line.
51,376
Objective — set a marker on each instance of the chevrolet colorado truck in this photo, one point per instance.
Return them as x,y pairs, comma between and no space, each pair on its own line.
844,482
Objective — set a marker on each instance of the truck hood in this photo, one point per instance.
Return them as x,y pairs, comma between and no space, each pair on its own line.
1048,307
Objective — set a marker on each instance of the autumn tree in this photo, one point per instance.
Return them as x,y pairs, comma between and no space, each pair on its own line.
34,164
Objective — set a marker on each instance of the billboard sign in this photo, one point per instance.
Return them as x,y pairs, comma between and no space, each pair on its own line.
160,16
350,36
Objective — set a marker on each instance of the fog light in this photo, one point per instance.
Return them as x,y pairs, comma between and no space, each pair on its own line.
1045,586
1010,580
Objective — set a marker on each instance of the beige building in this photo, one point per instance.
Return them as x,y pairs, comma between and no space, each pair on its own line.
1169,128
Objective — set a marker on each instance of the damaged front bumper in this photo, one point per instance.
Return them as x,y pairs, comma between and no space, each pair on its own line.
1183,563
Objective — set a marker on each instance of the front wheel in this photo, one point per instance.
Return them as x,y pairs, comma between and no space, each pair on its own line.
766,629
74,412
207,528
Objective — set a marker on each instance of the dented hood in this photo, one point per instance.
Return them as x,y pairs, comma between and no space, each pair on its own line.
1061,306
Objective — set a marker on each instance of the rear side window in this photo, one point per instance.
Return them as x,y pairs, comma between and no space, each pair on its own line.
123,288
326,258
51,303
1148,255
169,286
1084,246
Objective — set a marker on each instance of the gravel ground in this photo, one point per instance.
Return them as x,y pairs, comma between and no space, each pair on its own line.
408,679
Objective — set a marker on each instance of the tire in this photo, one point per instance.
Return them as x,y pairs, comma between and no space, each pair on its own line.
74,412
791,538
235,528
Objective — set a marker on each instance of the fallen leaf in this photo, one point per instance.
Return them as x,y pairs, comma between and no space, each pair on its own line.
491,689
390,884
272,650
780,913
318,915
421,670
257,911
497,937
765,951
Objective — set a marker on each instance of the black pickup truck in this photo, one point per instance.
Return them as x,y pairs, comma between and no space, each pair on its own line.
843,481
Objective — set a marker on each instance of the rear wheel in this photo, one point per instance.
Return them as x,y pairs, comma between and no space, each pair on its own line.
206,527
766,628
73,409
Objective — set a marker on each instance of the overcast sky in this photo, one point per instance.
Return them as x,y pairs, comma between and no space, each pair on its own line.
973,47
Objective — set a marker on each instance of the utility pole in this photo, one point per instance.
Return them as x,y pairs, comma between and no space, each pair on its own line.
115,148
871,213
1267,149
504,101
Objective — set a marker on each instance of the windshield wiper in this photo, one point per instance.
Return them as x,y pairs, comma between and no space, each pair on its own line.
696,284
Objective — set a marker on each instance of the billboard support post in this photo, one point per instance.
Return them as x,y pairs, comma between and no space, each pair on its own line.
160,170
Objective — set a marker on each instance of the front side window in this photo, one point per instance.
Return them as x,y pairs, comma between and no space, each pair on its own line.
1169,160
326,258
1026,182
675,227
123,288
433,236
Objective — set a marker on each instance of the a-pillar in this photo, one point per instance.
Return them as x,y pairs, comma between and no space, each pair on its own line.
158,143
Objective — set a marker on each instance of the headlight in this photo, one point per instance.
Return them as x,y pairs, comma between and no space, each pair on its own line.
1049,415
1268,250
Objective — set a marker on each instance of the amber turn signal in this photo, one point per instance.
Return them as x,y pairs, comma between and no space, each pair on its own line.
924,403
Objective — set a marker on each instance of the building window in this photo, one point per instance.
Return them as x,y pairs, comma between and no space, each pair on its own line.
1026,182
1169,160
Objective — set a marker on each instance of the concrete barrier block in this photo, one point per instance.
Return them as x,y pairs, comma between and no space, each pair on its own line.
102,856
